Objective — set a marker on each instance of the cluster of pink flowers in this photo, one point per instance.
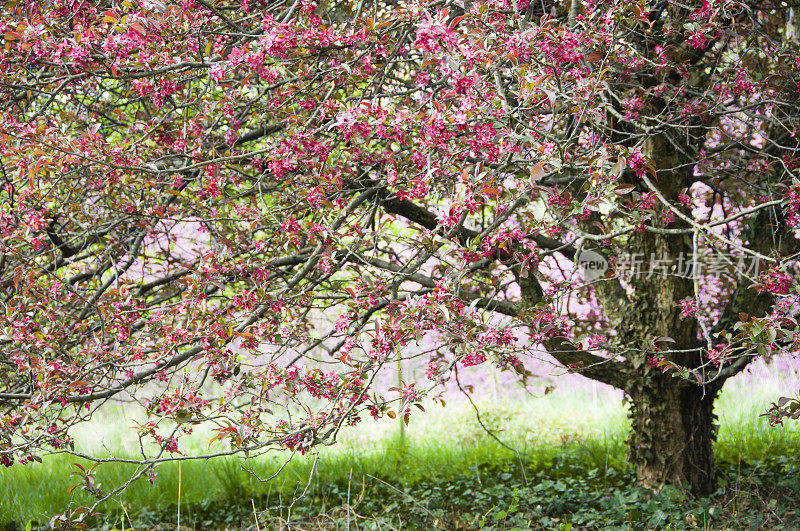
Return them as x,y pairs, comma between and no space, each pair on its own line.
647,201
473,357
695,108
496,337
775,281
637,162
500,242
689,308
410,393
547,324
320,385
793,215
170,444
632,105
457,207
434,32
719,354
705,12
560,201
291,442
594,340
343,322
696,39
382,346
742,85
168,404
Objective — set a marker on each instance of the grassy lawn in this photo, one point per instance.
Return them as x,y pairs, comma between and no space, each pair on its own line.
557,463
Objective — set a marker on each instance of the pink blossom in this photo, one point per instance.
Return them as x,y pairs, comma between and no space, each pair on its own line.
217,72
473,358
719,354
647,201
689,308
409,393
637,162
775,281
632,105
594,340
696,39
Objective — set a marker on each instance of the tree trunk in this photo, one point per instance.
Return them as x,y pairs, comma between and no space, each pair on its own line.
673,431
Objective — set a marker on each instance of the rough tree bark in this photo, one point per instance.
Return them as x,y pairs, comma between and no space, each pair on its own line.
673,431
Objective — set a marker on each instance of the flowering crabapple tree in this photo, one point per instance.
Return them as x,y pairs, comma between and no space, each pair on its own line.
243,212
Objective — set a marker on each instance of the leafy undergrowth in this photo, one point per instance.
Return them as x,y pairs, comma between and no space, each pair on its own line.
446,474
514,494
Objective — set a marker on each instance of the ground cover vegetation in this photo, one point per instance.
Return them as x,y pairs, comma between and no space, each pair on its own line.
242,214
573,472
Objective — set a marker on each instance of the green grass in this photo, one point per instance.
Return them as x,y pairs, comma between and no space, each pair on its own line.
581,432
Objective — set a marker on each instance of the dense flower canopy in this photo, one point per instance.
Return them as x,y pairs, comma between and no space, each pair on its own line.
243,211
